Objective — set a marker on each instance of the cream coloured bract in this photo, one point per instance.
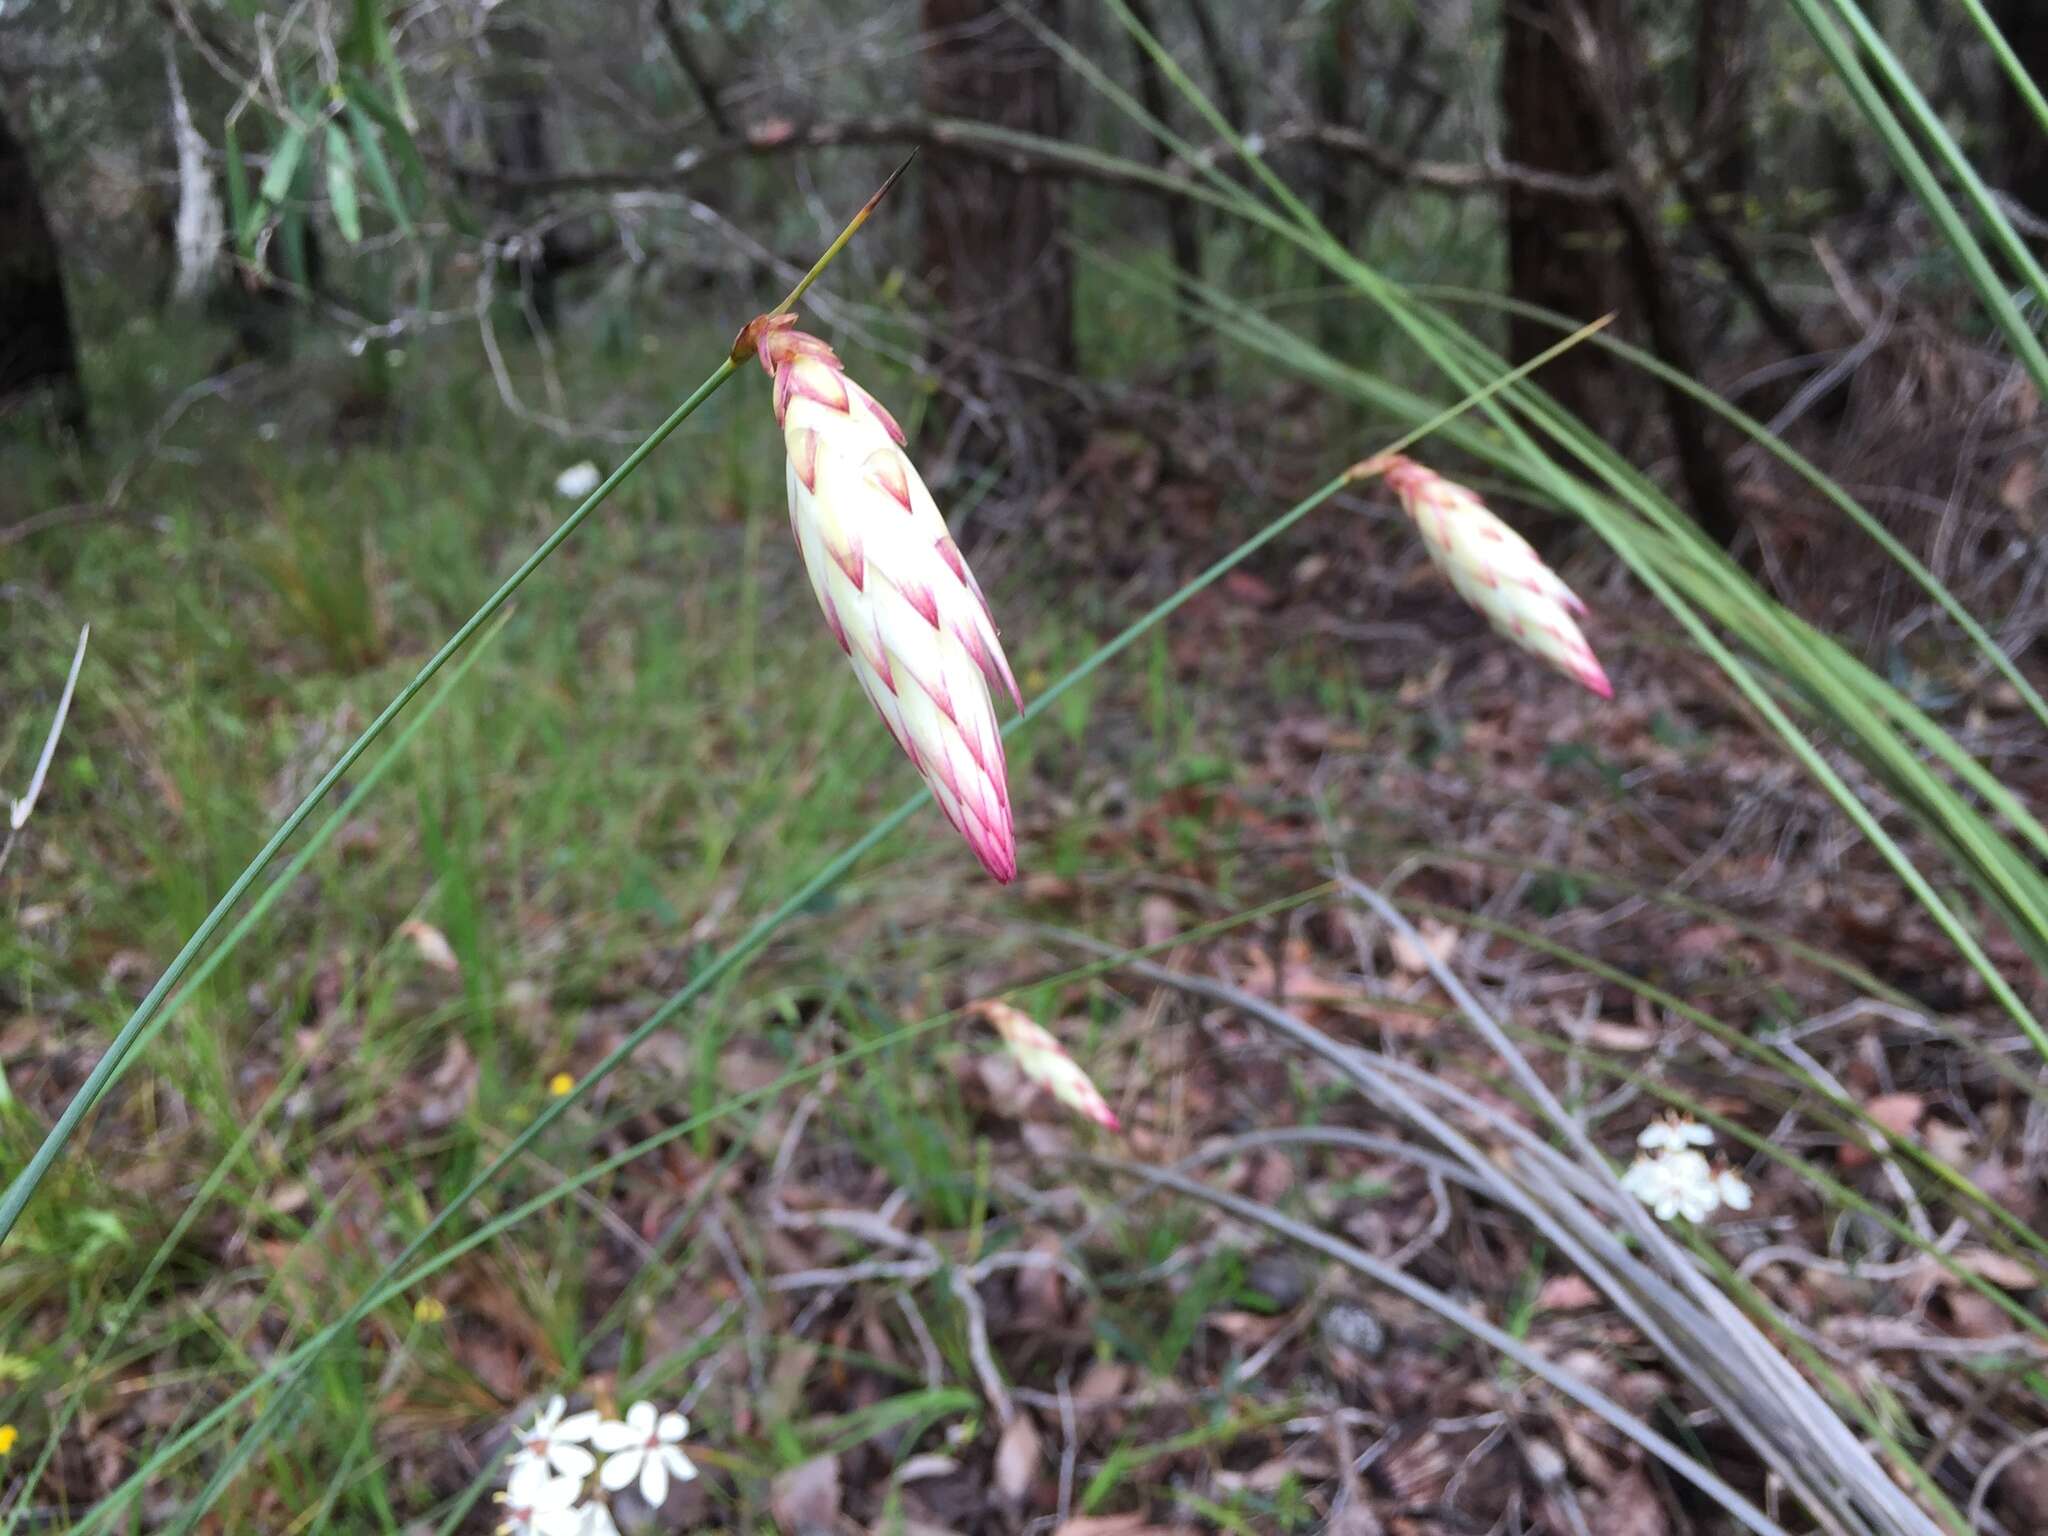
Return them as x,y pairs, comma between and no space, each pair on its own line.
1495,570
894,589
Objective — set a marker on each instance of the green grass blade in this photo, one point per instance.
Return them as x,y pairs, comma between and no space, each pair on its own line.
1920,176
2009,61
1928,121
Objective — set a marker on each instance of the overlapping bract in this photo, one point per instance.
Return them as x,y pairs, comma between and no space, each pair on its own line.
1495,570
893,586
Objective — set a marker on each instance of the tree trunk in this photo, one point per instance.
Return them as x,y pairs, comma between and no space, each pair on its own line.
2025,168
200,227
1564,253
1589,111
1333,72
992,248
1720,108
1183,237
522,146
1229,99
37,349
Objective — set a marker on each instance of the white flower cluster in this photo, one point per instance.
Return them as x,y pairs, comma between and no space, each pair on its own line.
547,1487
1674,1178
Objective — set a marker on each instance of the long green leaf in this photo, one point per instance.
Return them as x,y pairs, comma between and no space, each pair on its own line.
284,164
1921,177
2015,71
372,152
341,184
243,212
1931,128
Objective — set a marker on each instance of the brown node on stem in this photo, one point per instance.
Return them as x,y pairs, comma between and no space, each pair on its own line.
1367,469
748,342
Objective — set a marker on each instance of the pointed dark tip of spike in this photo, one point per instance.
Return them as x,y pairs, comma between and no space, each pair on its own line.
883,190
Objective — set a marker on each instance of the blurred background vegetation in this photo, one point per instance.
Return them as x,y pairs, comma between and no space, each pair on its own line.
312,313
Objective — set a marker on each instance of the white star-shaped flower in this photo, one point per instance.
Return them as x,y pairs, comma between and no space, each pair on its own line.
1648,1180
1675,1183
1675,1132
557,1442
1733,1189
537,1503
645,1446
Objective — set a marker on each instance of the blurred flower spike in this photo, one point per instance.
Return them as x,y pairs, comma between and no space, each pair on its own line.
894,589
1046,1062
1493,568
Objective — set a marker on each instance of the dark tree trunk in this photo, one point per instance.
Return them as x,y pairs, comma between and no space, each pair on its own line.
1182,236
670,20
38,352
1720,108
1229,99
1609,254
1564,253
2025,169
522,145
1332,71
992,247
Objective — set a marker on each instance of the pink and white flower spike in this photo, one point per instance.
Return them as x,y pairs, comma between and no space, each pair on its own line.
894,589
1494,569
1046,1062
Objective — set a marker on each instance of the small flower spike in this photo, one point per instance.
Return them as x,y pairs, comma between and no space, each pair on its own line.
895,591
1046,1062
1494,569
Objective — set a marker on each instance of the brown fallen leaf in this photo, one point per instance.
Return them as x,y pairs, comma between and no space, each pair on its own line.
805,1498
1017,1460
1897,1113
1158,920
1610,1036
1632,1508
1354,1518
1999,1268
1102,1382
1439,940
1566,1293
1119,1525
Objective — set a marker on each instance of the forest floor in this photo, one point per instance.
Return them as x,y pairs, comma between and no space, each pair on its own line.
894,1287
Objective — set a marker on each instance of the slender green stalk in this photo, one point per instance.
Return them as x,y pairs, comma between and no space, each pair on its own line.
2009,61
